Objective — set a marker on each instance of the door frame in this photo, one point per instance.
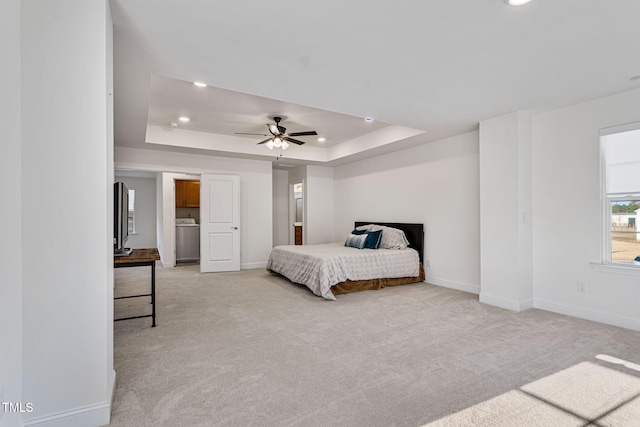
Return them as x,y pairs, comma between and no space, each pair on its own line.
178,177
172,210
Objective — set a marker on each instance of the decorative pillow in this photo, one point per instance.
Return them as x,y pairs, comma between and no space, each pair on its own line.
392,238
356,241
365,227
373,239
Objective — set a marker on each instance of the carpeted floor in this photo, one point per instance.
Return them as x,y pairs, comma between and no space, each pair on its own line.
251,349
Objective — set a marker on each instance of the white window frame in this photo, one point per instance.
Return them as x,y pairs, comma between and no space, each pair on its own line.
610,198
606,263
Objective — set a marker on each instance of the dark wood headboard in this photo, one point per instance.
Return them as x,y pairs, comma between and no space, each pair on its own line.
414,233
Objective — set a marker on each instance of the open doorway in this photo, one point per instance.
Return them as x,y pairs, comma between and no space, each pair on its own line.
187,221
296,213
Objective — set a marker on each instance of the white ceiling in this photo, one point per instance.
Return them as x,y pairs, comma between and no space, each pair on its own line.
227,112
424,70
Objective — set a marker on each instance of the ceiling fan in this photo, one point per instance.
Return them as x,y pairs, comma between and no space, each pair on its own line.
279,136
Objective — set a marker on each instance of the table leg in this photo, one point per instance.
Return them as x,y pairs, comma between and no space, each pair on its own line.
153,294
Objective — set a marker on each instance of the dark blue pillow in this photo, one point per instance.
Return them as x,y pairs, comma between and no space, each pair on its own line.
356,231
373,239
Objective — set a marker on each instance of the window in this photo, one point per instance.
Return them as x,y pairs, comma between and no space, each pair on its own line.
620,150
131,215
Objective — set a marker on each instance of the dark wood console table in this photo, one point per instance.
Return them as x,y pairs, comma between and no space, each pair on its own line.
141,258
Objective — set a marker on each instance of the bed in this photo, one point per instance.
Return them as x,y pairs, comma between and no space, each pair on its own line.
335,269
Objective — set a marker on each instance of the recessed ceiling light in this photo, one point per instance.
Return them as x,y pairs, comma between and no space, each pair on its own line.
183,119
200,84
516,2
368,119
321,139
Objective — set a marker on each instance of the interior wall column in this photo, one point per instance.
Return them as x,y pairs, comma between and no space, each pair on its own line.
506,240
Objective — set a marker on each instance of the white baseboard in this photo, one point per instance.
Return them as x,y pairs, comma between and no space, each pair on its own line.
609,319
98,414
251,265
451,284
527,304
508,304
113,389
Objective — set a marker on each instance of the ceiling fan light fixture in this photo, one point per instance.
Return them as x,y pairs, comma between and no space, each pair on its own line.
280,138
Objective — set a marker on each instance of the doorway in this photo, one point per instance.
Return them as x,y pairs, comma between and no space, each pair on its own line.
187,221
296,213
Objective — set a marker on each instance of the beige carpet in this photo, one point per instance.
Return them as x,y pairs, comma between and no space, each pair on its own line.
584,394
252,349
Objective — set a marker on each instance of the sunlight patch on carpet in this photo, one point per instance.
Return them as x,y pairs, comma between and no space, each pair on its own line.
584,393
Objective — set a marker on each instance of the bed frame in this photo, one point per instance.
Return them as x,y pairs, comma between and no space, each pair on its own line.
414,233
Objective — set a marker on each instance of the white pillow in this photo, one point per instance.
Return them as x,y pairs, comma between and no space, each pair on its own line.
365,227
392,238
356,240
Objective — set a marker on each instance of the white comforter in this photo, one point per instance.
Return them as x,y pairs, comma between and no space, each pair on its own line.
321,266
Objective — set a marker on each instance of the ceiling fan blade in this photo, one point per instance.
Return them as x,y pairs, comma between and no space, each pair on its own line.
309,132
273,129
295,141
266,140
246,133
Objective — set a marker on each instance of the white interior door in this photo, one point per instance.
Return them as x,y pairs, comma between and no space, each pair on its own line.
219,223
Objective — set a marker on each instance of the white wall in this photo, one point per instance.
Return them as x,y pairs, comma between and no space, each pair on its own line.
256,185
10,212
281,224
67,240
318,205
145,211
566,175
435,184
505,212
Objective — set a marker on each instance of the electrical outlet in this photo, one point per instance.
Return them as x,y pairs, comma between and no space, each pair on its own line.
427,263
582,286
